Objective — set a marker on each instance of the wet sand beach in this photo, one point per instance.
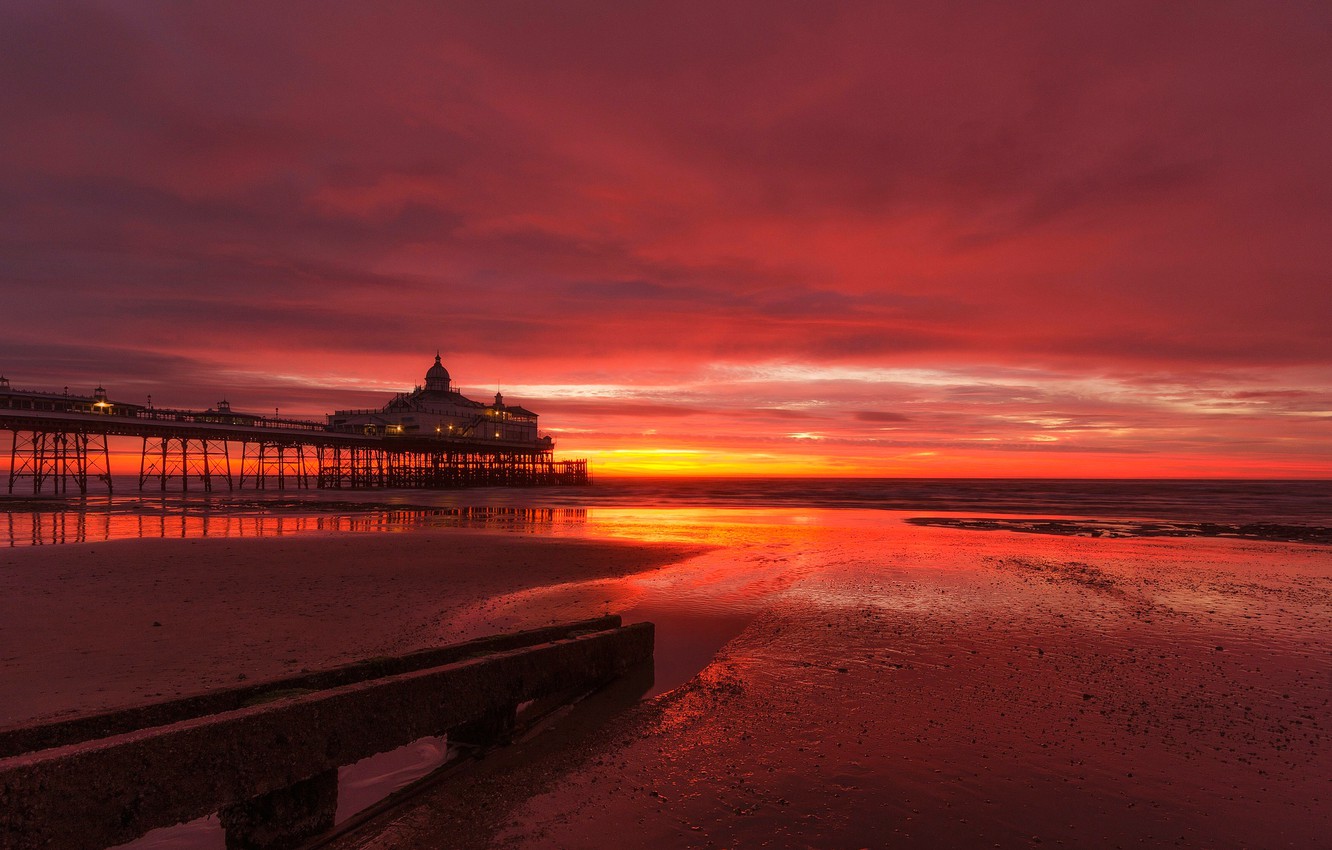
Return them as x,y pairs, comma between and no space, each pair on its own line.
899,687
824,678
123,622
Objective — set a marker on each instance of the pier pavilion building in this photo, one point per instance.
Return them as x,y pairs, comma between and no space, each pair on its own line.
437,409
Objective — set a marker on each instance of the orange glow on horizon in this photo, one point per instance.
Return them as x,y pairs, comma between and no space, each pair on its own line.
713,460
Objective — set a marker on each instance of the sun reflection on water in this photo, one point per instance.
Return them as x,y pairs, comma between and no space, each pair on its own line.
73,525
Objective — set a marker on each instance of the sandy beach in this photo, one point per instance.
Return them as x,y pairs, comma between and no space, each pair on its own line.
825,678
122,622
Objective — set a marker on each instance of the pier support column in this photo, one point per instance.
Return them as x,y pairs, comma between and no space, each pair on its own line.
168,458
280,462
92,460
285,818
27,458
42,456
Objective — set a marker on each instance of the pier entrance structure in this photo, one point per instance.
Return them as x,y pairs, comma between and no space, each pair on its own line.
430,438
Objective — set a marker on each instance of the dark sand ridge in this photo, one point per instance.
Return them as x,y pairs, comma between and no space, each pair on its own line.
123,622
994,690
1278,532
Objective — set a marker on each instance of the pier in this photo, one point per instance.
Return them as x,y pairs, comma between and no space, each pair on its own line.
430,438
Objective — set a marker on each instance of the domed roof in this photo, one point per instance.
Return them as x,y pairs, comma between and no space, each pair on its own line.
437,377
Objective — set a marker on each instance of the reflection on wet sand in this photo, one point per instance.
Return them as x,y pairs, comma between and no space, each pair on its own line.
884,684
72,526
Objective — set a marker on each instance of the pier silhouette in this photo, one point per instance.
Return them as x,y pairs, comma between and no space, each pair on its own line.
431,438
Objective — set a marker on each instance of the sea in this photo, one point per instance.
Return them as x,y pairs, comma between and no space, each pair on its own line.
128,512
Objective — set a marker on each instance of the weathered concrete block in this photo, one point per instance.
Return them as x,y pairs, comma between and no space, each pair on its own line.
126,784
104,724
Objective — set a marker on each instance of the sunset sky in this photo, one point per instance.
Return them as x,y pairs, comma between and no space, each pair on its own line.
1035,239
